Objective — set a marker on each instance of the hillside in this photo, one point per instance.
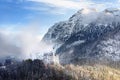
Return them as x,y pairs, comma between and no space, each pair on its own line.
37,70
89,35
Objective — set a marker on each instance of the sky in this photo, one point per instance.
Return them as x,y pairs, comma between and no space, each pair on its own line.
20,13
24,22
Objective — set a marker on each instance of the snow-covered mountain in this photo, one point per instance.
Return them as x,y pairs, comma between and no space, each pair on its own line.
87,35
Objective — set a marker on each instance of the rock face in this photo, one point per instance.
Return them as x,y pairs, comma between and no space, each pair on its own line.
89,35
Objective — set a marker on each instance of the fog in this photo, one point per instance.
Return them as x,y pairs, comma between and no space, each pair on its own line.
22,43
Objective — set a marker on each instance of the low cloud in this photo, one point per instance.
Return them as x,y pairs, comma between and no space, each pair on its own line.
7,47
23,43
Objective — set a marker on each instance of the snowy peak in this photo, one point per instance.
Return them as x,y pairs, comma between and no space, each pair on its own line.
85,34
81,20
112,10
88,10
87,16
83,13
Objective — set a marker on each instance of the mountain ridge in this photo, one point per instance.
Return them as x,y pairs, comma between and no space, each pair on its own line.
87,34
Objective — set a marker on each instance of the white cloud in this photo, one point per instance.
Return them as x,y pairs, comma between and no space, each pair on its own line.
118,1
62,6
68,4
59,3
22,42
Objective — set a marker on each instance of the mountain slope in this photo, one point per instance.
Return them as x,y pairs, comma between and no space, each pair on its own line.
89,35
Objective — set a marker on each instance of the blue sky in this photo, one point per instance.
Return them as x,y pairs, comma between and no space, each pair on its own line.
21,13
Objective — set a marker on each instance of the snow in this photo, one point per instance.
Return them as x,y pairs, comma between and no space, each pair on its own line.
81,21
78,42
111,47
3,67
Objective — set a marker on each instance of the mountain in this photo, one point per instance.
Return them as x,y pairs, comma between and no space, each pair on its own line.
88,36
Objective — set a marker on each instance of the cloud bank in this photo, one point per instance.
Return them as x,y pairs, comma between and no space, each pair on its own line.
23,43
